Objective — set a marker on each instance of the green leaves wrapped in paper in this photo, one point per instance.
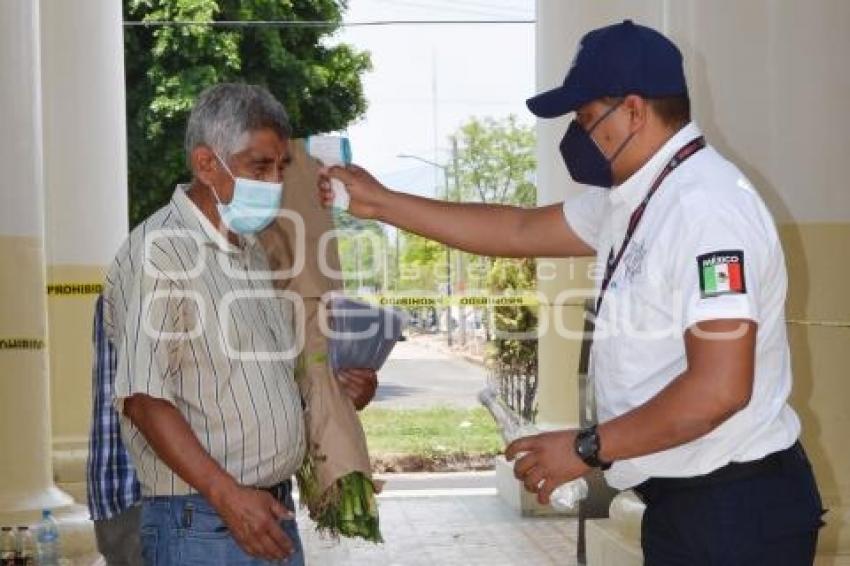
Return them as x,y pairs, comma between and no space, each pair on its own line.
335,481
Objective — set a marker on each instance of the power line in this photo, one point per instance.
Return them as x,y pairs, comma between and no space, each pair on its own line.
471,4
489,9
319,24
490,12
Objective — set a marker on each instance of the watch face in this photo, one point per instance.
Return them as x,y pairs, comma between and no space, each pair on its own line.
587,446
583,447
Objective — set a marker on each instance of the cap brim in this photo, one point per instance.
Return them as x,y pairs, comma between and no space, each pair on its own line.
556,102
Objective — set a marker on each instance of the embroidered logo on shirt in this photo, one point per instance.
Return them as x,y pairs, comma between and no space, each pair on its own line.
721,273
633,260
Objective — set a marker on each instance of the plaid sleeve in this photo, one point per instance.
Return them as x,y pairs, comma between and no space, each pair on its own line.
111,478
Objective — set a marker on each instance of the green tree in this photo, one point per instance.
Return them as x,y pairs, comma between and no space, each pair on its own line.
513,352
495,162
168,66
421,259
363,251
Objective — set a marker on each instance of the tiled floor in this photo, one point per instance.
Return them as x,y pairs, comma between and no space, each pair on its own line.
465,530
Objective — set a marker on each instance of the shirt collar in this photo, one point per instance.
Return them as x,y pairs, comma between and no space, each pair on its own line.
213,237
635,187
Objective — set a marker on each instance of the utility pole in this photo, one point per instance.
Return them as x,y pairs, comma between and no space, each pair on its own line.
397,259
448,272
460,272
357,263
445,169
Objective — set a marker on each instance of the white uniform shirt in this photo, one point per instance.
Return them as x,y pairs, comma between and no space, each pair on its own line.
196,322
706,248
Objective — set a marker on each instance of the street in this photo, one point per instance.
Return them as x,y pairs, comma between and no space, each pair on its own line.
419,376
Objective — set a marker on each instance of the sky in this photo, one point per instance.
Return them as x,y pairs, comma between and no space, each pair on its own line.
427,80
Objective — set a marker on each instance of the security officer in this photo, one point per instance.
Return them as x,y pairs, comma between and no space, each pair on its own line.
690,358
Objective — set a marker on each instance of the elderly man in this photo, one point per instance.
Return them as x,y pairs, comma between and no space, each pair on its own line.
211,413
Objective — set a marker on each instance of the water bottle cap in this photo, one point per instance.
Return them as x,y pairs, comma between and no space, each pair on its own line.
45,513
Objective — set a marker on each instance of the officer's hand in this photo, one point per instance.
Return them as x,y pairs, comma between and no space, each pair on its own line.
546,461
360,385
364,191
253,518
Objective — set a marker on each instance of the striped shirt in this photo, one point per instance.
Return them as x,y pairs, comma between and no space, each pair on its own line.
111,479
196,321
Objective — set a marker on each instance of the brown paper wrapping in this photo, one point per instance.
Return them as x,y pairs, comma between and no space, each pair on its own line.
336,441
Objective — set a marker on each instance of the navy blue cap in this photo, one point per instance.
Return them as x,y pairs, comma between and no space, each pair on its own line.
617,60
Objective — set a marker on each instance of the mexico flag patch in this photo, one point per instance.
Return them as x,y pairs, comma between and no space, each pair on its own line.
721,273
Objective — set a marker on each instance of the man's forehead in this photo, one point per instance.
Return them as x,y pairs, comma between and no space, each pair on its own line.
266,144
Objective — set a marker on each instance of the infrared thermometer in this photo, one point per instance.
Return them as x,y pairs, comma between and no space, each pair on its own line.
332,150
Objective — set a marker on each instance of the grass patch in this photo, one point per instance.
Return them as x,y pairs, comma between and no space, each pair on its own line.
431,433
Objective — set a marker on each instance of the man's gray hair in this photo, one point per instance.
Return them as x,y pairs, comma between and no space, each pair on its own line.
225,113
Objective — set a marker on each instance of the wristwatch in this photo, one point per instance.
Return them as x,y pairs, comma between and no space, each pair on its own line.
587,446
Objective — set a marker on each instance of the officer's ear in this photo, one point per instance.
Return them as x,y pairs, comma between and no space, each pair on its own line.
637,109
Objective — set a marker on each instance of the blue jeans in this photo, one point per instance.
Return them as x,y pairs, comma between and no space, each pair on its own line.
186,530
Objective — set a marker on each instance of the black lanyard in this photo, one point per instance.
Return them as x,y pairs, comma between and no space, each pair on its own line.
611,264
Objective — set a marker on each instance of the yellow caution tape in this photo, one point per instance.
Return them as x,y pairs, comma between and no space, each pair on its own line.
399,300
452,300
18,343
59,289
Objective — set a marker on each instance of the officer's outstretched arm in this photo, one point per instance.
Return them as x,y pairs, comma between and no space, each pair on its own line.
717,383
493,230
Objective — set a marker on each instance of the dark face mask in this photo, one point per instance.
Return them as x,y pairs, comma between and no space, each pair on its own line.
585,161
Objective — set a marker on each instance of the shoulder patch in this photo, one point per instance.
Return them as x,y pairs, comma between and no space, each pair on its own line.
721,273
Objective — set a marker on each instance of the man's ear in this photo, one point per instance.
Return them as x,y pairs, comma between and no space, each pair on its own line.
638,109
205,165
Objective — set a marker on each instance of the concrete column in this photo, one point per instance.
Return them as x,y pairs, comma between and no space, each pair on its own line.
560,25
753,67
26,481
85,157
558,358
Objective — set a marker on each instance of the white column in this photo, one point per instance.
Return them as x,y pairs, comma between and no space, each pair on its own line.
560,26
26,482
558,391
85,158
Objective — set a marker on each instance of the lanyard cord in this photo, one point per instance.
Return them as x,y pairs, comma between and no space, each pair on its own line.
611,264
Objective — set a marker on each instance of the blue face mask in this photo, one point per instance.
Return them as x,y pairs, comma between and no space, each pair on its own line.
254,204
584,160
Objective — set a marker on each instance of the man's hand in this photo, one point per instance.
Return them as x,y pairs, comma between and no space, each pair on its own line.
546,461
360,385
253,518
365,192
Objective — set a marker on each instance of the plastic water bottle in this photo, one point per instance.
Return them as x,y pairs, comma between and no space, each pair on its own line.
26,547
566,496
8,547
48,540
332,150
